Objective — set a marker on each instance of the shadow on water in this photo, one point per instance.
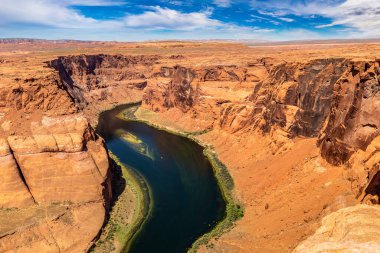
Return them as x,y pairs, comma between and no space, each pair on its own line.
117,181
187,201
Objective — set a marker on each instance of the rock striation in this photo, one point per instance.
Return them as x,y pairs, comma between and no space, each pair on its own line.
353,120
333,99
61,164
102,77
54,185
180,92
351,229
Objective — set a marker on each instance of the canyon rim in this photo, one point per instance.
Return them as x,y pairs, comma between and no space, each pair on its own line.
177,138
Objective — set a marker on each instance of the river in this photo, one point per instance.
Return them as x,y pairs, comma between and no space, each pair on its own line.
186,199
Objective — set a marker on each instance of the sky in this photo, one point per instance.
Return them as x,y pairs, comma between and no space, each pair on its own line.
140,20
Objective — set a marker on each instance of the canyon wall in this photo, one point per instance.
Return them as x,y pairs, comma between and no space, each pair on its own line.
56,171
333,99
55,186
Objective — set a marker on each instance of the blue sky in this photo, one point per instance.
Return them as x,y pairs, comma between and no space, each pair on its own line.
136,20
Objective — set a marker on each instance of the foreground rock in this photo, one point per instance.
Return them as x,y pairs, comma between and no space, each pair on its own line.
61,175
352,229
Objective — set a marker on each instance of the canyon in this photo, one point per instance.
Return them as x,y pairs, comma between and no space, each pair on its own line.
296,125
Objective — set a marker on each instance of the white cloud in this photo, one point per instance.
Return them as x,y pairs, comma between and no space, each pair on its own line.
93,2
59,14
274,14
286,19
47,13
361,15
222,3
174,2
164,18
277,15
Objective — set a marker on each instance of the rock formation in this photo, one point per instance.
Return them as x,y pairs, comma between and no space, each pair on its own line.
352,229
61,165
54,185
179,92
353,120
336,100
89,77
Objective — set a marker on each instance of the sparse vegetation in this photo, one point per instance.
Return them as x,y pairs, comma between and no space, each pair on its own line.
130,209
234,210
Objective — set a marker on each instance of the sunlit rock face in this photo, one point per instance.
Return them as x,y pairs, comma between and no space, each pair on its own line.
353,121
55,170
352,229
62,167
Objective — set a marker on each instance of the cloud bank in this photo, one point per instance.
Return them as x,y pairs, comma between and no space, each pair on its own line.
240,19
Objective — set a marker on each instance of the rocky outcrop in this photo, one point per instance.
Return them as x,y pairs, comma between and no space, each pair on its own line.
61,164
101,77
36,94
52,228
353,120
13,190
223,73
334,99
352,229
210,93
180,92
296,97
58,163
364,173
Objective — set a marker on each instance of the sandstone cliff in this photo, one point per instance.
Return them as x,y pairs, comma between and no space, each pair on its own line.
54,188
335,100
58,179
352,229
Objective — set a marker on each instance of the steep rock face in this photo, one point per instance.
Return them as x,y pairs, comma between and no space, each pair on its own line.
61,165
352,229
13,191
213,90
297,97
58,166
334,99
235,117
102,77
364,173
180,92
51,228
353,121
32,95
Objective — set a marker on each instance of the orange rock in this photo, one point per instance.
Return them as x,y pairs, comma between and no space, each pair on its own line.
352,229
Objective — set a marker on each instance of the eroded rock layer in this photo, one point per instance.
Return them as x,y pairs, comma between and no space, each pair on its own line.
334,99
62,164
352,229
54,187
